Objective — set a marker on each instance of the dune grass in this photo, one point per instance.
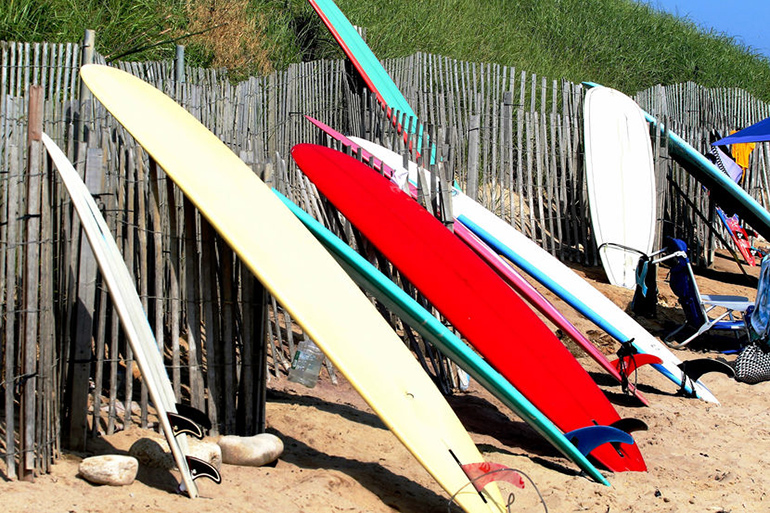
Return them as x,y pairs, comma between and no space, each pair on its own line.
619,43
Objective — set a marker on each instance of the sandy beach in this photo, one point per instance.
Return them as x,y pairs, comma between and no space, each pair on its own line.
339,456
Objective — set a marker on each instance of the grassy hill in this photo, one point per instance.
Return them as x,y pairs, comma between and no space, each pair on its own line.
619,43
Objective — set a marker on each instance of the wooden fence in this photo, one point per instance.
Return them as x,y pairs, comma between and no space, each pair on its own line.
512,139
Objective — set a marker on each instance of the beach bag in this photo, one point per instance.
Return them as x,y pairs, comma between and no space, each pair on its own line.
753,364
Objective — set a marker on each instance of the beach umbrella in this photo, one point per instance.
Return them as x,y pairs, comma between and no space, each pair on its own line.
758,132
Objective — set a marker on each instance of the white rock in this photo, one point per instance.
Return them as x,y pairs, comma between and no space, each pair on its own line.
109,469
251,451
207,451
154,452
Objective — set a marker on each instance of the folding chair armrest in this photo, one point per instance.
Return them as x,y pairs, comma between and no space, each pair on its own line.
734,303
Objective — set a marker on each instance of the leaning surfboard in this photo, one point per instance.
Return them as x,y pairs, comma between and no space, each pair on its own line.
433,330
620,180
470,295
727,193
303,276
135,325
557,277
377,79
368,66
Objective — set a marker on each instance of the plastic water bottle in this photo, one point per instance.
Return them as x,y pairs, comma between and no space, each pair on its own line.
306,364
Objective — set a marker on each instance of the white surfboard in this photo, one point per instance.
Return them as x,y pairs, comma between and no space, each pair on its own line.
620,178
132,316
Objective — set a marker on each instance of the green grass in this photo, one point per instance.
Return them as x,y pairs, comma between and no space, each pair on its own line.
618,43
120,24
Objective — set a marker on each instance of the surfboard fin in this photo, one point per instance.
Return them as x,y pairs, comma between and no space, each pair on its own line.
589,438
200,468
692,370
481,474
189,420
629,359
626,365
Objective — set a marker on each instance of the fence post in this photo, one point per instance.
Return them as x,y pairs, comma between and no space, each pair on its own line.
84,94
473,156
31,281
179,64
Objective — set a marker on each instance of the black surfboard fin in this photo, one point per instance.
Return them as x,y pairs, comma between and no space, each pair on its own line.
200,468
194,414
189,420
692,370
589,438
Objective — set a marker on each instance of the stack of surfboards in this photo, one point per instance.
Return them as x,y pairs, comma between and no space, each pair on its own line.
524,362
389,162
303,276
483,308
561,280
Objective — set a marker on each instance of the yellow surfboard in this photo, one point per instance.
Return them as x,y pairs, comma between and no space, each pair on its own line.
303,276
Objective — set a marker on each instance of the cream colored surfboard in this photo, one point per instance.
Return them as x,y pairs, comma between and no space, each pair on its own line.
302,275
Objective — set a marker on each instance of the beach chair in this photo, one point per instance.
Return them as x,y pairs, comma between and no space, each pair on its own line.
727,311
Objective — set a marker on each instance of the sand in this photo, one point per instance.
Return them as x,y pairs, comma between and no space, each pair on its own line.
338,456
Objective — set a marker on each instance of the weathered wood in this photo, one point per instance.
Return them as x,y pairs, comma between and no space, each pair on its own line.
46,428
211,325
192,304
86,292
31,281
11,311
142,214
472,183
519,154
174,272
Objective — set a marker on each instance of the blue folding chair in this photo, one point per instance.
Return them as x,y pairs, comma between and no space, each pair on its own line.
699,308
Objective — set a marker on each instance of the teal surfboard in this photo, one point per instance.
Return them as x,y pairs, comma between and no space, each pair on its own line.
374,75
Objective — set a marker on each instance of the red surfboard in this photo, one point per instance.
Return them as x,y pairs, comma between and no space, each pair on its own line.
488,313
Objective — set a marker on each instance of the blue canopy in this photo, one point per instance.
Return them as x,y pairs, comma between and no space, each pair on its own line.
758,132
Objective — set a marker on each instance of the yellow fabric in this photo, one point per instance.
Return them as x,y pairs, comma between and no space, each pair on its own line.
741,152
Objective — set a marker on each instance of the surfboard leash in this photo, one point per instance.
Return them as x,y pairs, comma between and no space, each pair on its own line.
481,474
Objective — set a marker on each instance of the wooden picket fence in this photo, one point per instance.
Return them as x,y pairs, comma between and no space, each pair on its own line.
511,139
